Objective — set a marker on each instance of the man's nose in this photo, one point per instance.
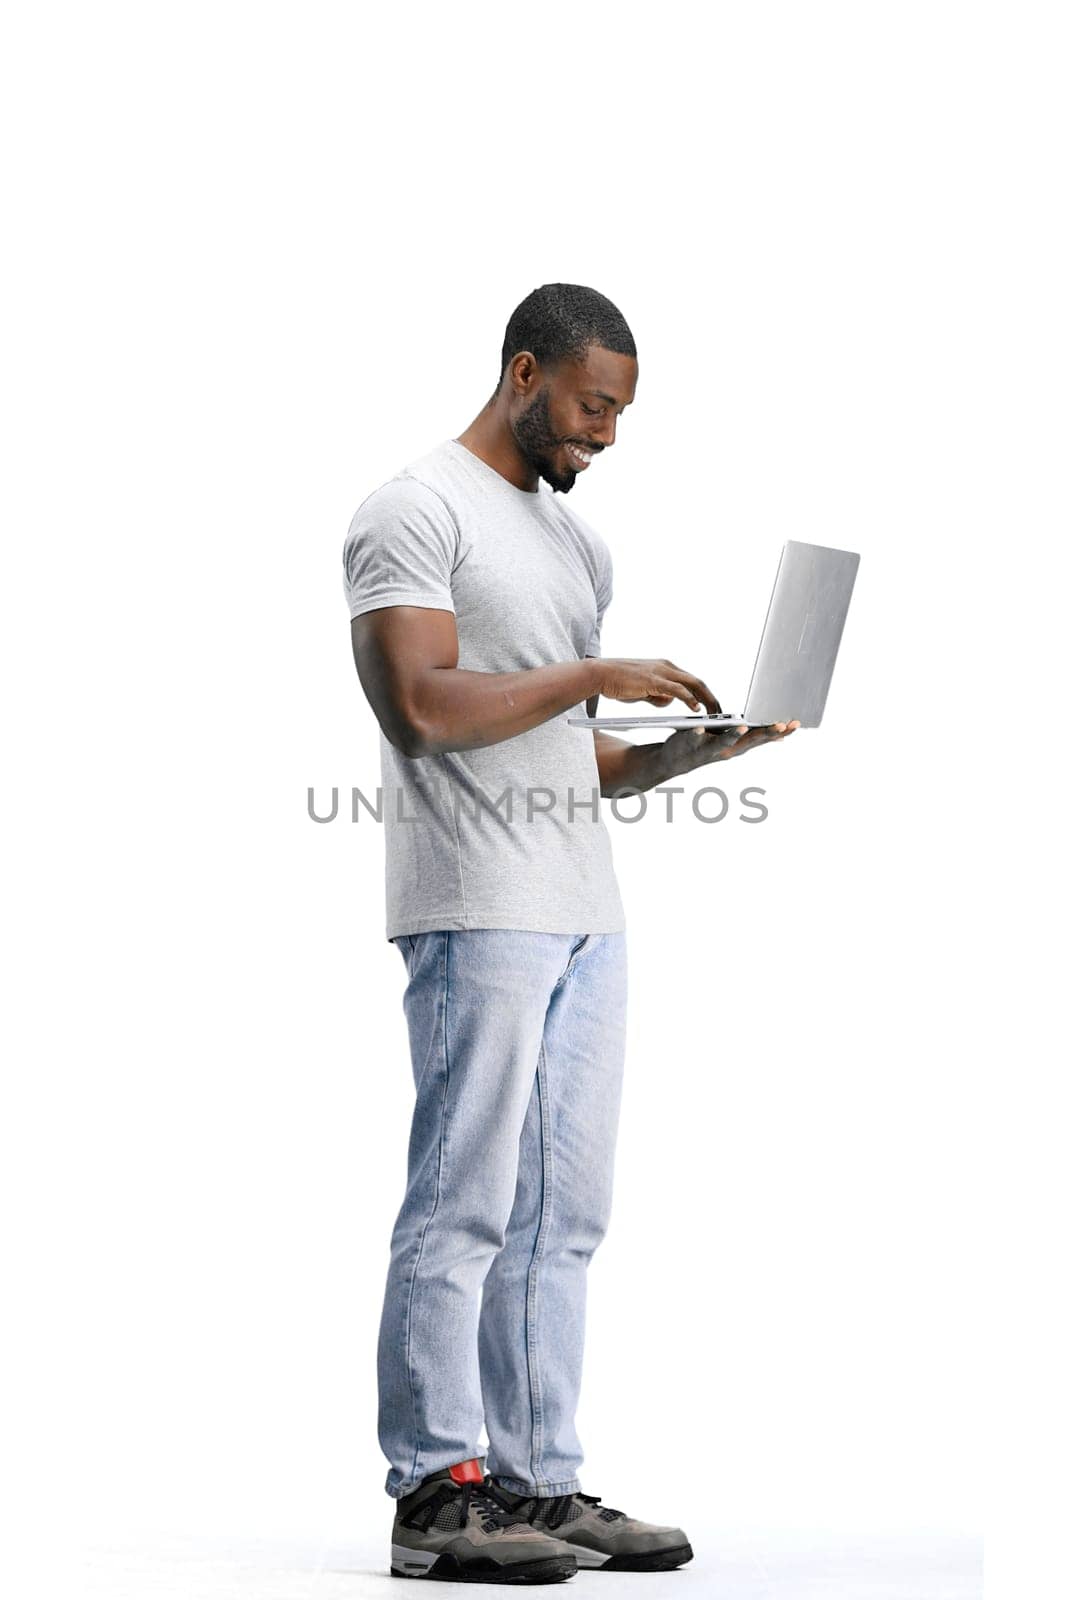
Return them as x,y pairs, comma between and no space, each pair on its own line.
604,433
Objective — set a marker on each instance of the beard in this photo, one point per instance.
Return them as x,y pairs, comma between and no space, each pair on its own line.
537,442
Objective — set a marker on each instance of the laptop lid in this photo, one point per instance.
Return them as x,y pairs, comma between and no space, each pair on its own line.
801,635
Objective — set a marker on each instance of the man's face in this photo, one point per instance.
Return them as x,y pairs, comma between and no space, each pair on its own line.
571,416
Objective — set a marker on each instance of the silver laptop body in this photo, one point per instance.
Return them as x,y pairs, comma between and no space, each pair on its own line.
796,655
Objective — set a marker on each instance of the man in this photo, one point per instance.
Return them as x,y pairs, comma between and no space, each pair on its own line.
477,601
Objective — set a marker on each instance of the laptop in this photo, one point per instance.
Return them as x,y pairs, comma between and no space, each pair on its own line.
796,655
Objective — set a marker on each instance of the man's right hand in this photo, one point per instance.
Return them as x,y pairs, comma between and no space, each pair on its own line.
658,682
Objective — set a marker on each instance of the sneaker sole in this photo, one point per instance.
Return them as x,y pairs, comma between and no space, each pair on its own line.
645,1560
447,1568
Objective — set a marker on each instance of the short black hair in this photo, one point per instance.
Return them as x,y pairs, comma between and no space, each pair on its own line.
559,321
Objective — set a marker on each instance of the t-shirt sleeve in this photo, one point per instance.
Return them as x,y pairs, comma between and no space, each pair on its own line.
400,550
603,599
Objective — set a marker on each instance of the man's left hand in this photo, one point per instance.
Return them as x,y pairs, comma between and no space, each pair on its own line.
698,747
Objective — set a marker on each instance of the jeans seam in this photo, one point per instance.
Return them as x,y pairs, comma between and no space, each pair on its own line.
429,1219
532,1343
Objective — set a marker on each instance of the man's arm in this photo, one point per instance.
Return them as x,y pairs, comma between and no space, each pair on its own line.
624,767
407,656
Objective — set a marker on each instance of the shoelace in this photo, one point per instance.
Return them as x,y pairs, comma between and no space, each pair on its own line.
473,1497
553,1511
490,1512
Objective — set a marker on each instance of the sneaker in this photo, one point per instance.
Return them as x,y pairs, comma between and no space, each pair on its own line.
599,1536
449,1528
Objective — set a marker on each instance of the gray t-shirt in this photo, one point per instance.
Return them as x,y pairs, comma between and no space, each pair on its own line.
528,582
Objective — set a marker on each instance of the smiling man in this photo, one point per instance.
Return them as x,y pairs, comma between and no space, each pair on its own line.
477,597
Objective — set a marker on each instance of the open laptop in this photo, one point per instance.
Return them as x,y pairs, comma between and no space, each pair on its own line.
796,655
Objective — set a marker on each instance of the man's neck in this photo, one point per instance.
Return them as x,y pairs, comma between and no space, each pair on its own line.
492,441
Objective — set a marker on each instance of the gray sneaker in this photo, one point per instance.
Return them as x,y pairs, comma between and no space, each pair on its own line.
599,1537
449,1528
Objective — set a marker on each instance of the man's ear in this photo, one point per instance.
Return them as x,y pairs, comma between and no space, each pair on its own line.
524,371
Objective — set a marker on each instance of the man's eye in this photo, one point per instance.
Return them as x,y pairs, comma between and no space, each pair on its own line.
590,411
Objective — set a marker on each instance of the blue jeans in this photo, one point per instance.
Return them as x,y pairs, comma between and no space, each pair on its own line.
517,1045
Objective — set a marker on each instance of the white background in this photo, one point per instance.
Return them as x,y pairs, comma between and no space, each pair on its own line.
263,257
